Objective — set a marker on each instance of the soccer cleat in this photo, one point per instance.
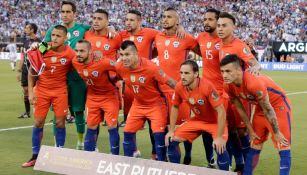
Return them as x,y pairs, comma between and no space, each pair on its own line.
154,157
122,124
29,163
137,154
212,164
239,169
187,160
70,119
80,146
24,115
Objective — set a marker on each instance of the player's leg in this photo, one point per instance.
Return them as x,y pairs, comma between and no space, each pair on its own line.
41,109
94,117
207,141
135,122
110,106
127,99
24,85
152,141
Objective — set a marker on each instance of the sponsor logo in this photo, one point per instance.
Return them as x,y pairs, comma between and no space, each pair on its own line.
167,42
132,78
53,59
85,72
98,44
209,45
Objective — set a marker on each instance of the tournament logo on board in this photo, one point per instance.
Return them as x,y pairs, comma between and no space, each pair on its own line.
176,44
53,59
95,73
209,45
85,72
63,61
167,42
139,39
98,44
142,79
200,101
132,78
76,33
191,101
106,47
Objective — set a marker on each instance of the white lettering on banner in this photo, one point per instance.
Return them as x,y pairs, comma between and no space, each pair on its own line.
119,168
293,47
137,170
153,171
264,66
5,56
288,67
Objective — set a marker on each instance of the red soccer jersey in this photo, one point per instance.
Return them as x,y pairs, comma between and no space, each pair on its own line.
143,40
255,88
96,76
209,47
238,47
107,46
57,66
143,81
202,99
172,52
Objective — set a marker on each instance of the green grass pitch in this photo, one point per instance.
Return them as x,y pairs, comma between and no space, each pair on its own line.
16,144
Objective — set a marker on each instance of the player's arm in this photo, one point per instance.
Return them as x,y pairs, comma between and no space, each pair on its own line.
173,118
219,142
31,83
196,49
271,116
254,66
171,83
21,62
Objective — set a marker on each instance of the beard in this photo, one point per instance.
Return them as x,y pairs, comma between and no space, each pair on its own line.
209,29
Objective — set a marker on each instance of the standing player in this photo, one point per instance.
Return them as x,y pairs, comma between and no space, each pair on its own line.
102,95
171,53
210,115
143,77
272,114
22,72
232,45
12,48
76,86
51,89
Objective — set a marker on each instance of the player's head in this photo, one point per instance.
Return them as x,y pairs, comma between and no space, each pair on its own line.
129,54
100,20
68,11
225,25
58,36
189,72
30,29
133,20
210,20
83,51
170,18
231,68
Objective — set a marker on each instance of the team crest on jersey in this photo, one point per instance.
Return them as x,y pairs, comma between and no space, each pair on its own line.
245,51
85,72
95,73
142,79
68,35
217,46
132,78
215,95
76,33
167,42
209,45
131,38
106,47
63,61
139,39
53,59
192,101
98,44
200,101
176,44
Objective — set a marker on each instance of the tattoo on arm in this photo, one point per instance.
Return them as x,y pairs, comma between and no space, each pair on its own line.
171,83
254,63
269,113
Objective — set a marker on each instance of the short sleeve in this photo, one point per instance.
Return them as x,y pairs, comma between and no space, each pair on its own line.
213,96
176,99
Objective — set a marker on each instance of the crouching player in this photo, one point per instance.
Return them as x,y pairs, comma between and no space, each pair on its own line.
210,115
272,113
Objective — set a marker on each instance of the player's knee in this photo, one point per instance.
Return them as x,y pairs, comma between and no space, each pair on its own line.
39,122
94,127
60,122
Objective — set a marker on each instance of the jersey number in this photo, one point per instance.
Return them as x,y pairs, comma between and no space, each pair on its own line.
166,54
209,54
52,69
135,89
89,82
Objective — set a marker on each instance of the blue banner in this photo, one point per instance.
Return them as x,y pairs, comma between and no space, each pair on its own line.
273,66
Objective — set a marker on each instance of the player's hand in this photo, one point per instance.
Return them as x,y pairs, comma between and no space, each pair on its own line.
280,139
34,45
97,55
169,137
180,32
219,144
253,136
111,32
254,71
32,98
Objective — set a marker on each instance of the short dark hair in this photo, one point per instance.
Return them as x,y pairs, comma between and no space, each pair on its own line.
136,12
34,27
212,10
73,5
170,9
89,45
61,27
229,16
232,58
192,63
127,44
103,12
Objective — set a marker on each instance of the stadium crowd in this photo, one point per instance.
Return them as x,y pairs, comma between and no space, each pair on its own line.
264,20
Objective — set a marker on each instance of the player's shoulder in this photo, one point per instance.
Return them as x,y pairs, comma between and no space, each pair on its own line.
252,81
149,30
202,35
179,87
